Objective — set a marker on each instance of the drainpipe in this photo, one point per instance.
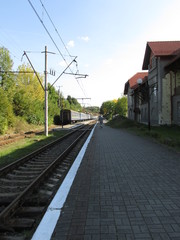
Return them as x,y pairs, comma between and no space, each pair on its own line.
159,90
171,96
175,84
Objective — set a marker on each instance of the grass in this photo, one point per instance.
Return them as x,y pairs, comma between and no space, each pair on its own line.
168,135
16,150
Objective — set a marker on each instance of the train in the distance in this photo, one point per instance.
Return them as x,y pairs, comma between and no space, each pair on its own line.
69,116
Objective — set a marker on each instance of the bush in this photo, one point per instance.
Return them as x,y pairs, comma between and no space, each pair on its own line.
32,119
6,112
3,125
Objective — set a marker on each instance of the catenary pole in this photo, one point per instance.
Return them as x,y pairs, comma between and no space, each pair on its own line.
46,95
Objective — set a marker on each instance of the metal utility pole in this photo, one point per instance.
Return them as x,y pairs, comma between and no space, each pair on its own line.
46,94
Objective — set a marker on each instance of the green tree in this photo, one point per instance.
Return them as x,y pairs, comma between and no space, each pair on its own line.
6,112
73,104
108,109
28,100
21,103
121,106
7,82
6,65
93,109
69,99
29,83
53,108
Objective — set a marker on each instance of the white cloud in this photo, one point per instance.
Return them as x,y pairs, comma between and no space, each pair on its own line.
107,80
85,38
71,44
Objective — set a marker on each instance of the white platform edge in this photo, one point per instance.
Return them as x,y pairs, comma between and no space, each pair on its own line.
47,225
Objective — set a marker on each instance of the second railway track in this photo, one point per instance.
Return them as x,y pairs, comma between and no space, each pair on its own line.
28,185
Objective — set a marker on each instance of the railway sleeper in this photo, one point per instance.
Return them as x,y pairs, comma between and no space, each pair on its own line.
10,237
35,200
21,223
30,211
39,160
45,192
65,164
7,188
49,186
6,198
33,166
47,158
60,170
27,172
15,177
57,176
54,180
13,182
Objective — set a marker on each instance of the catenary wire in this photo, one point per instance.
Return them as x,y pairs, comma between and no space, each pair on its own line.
47,30
53,39
55,28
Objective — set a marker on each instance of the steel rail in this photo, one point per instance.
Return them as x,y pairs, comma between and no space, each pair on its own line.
18,201
13,165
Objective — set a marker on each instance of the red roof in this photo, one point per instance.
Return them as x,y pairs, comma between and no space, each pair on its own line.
133,81
165,48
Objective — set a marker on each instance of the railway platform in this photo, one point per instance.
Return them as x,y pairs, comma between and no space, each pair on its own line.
126,187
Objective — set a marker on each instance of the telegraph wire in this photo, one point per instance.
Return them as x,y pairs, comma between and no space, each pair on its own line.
49,34
47,30
61,41
54,41
55,28
12,54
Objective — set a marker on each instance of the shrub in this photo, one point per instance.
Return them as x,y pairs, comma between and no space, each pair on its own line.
3,124
6,111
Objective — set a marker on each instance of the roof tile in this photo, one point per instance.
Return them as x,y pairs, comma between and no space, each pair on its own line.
164,48
133,80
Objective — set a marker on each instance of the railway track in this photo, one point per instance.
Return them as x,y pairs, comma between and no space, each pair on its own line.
5,140
28,185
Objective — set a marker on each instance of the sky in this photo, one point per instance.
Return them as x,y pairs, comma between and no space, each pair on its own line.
108,37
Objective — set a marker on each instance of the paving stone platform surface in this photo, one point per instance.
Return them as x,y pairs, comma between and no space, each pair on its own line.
127,187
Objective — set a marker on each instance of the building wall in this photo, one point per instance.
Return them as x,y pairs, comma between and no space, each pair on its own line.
176,99
144,113
176,108
171,98
153,81
130,105
160,95
164,90
166,100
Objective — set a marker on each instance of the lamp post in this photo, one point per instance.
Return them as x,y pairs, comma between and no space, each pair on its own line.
146,91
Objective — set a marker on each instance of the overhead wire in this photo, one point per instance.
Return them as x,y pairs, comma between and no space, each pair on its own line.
50,19
57,32
13,54
53,39
47,30
12,41
55,28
